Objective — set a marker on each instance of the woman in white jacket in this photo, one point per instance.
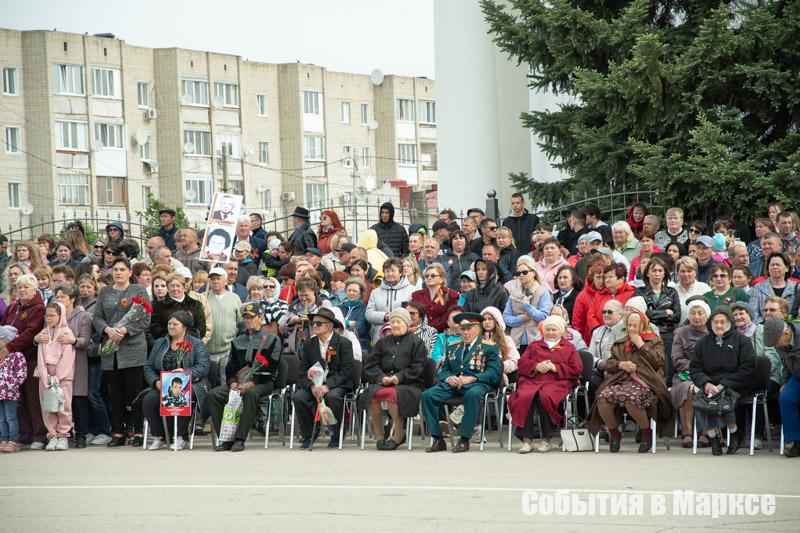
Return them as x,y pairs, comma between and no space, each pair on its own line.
393,291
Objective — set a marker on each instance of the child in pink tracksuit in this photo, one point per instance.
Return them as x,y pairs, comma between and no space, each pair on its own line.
13,372
56,360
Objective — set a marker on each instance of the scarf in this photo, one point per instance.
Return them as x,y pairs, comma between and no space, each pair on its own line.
439,298
646,333
748,330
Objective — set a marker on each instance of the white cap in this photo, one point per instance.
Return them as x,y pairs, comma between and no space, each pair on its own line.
217,271
184,271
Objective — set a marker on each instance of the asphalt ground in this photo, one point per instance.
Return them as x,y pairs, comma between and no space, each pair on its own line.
102,489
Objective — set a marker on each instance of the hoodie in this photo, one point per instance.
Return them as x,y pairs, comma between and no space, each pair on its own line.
385,299
391,233
121,229
522,227
53,352
512,354
487,294
369,242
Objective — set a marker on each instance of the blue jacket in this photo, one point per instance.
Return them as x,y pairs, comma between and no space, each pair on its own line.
196,360
356,316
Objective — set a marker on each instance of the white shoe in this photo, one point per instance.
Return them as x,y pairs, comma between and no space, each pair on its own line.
100,440
758,444
37,445
90,437
51,445
476,435
62,444
526,448
158,442
544,446
180,444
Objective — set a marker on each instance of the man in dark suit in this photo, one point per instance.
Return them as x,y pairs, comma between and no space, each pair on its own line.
334,353
232,269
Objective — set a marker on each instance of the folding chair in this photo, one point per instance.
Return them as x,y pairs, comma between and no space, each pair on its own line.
264,414
489,397
759,397
350,405
654,436
192,418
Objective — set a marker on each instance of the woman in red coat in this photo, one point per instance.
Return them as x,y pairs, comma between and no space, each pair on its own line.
435,297
547,371
616,288
329,226
583,303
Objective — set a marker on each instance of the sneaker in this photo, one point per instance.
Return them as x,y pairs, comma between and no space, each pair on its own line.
526,448
100,440
51,445
180,444
476,435
157,443
36,445
90,437
62,444
457,415
758,444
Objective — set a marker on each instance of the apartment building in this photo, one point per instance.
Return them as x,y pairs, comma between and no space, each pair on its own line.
93,124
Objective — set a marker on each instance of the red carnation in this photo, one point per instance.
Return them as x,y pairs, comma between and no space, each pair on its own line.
263,360
141,301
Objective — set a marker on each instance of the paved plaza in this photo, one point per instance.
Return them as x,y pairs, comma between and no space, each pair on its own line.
353,490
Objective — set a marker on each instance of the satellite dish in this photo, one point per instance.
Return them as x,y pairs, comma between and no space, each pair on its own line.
26,209
141,135
369,182
218,101
376,77
190,195
188,148
262,188
372,124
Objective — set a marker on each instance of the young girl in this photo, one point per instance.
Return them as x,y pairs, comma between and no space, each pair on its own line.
13,372
44,275
56,360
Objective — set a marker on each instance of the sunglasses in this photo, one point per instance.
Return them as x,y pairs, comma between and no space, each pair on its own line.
269,286
694,230
522,272
319,323
99,247
491,228
431,275
110,252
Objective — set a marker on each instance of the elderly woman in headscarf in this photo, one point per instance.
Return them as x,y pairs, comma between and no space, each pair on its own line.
634,380
682,391
722,359
547,371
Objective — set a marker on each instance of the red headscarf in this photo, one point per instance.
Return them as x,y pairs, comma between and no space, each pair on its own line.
646,333
637,227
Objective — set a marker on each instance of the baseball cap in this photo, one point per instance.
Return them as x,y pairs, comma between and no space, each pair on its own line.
440,224
184,271
348,247
469,274
706,241
217,271
314,251
251,309
594,236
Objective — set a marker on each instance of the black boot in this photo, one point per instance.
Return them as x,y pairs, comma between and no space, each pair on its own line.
736,441
716,446
461,446
646,438
614,436
438,445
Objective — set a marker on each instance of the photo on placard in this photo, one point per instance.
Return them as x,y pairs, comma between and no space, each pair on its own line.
217,243
225,209
176,393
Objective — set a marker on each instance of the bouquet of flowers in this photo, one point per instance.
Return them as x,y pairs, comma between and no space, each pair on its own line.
324,414
259,362
139,308
182,347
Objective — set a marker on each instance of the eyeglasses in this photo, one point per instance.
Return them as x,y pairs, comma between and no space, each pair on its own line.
522,272
319,323
719,275
431,275
491,228
608,312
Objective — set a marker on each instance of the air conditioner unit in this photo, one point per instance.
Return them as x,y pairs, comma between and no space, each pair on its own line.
287,196
151,166
150,114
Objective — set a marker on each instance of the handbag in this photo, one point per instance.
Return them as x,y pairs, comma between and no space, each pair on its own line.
231,416
577,440
53,399
720,404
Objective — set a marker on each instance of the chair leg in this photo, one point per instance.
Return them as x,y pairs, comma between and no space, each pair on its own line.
753,425
409,430
483,418
291,428
728,436
144,435
767,431
694,435
341,423
675,432
363,427
268,423
653,436
500,420
597,442
193,422
449,425
510,429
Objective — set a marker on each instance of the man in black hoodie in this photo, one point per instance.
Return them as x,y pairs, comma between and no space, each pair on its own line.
521,223
390,232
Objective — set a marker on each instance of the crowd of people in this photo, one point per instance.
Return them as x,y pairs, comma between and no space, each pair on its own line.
669,317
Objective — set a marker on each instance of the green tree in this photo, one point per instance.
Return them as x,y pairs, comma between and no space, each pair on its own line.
151,217
697,98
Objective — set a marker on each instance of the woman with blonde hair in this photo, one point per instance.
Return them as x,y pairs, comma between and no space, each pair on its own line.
529,302
436,298
74,238
624,240
412,273
508,249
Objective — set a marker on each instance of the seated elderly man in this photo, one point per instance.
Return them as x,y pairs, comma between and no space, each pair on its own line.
471,367
786,340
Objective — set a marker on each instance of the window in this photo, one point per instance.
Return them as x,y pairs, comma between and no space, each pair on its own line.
261,104
366,155
405,109
147,190
199,191
236,187
194,92
68,79
427,111
111,191
230,144
9,81
315,195
364,114
314,148
147,150
311,102
12,139
73,189
226,94
263,153
143,92
345,112
71,136
14,194
266,199
108,135
104,82
347,155
200,141
407,154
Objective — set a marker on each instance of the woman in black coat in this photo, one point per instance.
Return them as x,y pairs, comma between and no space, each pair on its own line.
488,293
177,300
663,307
394,370
723,359
569,286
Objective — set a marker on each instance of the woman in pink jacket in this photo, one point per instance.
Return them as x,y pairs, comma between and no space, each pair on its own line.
56,360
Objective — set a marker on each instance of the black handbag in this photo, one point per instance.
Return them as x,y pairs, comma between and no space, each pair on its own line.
720,404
